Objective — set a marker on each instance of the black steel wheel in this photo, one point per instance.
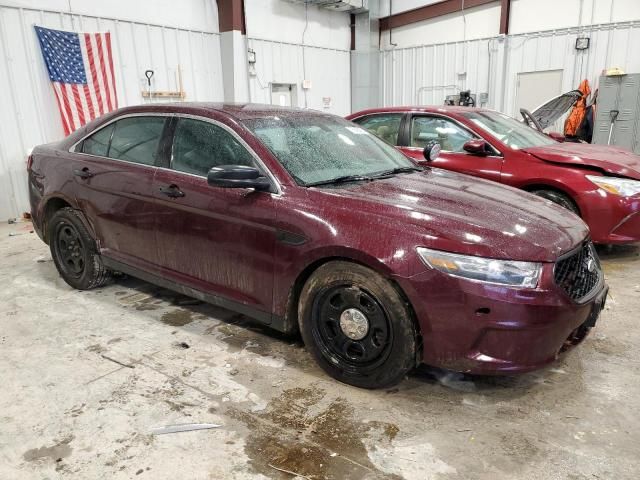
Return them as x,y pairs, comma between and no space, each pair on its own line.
74,251
348,323
357,325
70,250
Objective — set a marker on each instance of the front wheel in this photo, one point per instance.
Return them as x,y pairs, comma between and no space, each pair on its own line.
74,251
357,325
559,198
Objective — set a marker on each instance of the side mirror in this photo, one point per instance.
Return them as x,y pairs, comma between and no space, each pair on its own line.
557,136
476,147
431,151
237,176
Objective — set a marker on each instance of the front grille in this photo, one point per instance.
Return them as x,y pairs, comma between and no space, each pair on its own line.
579,273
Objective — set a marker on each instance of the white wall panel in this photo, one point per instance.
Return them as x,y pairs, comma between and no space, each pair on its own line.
536,15
282,21
478,22
403,5
427,74
29,114
187,14
492,65
328,69
526,16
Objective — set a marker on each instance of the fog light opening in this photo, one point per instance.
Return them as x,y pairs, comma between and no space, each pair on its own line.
483,311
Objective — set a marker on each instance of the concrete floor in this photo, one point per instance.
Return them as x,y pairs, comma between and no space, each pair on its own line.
66,411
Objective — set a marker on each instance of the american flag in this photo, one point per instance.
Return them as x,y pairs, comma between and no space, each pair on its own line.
80,67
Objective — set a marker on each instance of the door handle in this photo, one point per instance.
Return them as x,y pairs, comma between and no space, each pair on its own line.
172,191
82,173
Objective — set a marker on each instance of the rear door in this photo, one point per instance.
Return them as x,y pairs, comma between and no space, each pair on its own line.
385,125
113,170
451,136
217,240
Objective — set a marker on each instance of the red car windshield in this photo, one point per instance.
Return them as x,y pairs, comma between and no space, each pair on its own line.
316,149
509,131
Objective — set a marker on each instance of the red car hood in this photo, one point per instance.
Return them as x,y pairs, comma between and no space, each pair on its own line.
610,159
463,214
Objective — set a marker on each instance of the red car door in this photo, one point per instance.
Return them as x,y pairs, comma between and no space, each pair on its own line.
217,240
451,135
113,171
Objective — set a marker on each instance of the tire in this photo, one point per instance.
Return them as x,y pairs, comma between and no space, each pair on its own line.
74,251
374,348
559,198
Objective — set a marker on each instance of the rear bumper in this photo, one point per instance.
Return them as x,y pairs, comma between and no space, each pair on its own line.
485,329
612,219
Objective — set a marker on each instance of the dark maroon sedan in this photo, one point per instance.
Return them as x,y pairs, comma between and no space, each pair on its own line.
305,221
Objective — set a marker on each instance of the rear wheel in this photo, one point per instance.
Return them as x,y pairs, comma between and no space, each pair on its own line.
357,325
559,198
74,252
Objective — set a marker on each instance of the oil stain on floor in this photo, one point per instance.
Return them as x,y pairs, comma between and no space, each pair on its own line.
301,431
177,318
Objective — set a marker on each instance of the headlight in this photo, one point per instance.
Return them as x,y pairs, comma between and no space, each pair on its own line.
499,272
618,186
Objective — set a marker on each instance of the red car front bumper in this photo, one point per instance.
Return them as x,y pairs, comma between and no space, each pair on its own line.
611,218
487,329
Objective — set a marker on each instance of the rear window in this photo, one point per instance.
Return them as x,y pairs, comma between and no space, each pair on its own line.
98,143
134,139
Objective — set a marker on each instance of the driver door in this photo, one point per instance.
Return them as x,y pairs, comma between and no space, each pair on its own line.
216,240
451,136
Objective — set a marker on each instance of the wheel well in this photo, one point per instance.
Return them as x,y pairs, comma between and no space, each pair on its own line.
291,314
52,206
542,186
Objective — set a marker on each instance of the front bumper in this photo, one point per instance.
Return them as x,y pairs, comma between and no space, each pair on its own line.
612,219
487,329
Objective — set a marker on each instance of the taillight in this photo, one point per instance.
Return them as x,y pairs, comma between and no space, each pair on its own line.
29,162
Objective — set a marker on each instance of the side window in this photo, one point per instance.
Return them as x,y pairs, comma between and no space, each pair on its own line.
98,143
448,134
136,139
384,126
198,146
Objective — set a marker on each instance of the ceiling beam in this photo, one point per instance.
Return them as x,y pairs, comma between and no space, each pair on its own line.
429,11
505,12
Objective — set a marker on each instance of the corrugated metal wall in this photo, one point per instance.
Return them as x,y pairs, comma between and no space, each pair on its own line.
328,68
426,74
28,111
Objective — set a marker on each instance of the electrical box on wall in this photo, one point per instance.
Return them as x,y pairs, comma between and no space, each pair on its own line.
307,84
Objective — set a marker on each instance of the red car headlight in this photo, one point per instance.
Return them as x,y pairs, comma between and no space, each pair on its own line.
624,187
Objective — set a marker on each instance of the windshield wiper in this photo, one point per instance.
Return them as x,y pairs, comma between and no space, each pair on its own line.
397,170
342,179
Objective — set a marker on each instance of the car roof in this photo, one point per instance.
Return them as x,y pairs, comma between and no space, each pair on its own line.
240,111
447,109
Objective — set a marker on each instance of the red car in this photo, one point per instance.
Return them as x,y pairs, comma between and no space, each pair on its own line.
599,183
305,221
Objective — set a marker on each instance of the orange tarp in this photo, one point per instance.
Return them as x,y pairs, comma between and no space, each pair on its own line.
576,116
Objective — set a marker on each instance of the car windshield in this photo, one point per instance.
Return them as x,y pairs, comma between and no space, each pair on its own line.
317,149
509,131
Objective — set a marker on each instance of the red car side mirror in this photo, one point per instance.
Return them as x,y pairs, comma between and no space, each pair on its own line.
476,147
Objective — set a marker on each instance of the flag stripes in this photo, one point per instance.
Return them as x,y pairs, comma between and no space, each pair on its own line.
82,73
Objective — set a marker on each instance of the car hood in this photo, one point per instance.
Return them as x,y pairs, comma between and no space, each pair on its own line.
552,110
611,160
463,214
